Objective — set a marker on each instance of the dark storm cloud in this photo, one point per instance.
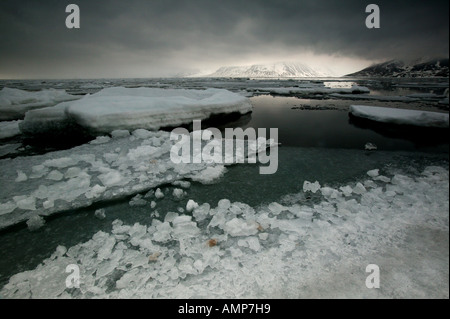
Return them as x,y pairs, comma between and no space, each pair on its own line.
118,38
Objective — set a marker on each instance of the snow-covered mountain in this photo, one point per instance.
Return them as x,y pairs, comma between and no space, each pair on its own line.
395,68
275,70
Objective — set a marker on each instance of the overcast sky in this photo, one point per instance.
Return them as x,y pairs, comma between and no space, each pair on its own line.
150,38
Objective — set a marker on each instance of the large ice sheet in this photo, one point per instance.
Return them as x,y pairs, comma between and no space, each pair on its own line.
400,116
14,103
103,169
294,250
9,129
51,121
319,89
152,108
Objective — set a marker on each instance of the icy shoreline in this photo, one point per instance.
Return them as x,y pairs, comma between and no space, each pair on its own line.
275,251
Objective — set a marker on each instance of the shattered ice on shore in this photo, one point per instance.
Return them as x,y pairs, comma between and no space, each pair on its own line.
287,250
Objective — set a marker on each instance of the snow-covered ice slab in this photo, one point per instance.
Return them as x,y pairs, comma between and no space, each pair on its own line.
383,98
152,108
9,148
311,91
104,169
392,98
295,250
9,129
401,116
50,121
14,103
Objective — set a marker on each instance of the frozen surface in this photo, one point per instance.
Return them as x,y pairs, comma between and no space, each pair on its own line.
9,129
105,168
316,89
48,121
400,116
14,103
9,148
152,108
289,250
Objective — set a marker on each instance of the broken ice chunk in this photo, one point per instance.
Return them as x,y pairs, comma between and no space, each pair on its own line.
137,201
311,187
276,208
178,193
159,194
72,172
112,178
100,140
346,190
373,173
191,205
201,212
182,184
239,227
183,227
224,204
209,175
95,191
142,134
170,216
370,147
55,175
100,213
105,250
263,236
163,232
21,176
359,189
253,243
25,202
382,178
35,222
38,171
48,204
370,183
330,192
120,133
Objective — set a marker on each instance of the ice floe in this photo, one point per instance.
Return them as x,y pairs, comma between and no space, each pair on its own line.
106,168
355,89
122,109
14,103
400,116
9,129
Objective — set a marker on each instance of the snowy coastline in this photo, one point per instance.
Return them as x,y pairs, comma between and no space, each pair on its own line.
291,247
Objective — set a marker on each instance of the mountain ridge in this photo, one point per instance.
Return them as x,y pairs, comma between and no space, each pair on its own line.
423,67
274,70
